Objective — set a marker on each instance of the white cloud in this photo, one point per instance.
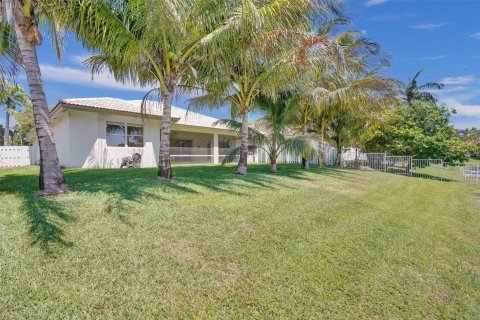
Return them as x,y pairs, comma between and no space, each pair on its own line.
475,35
458,80
389,17
455,89
79,59
428,25
442,56
370,3
462,109
83,77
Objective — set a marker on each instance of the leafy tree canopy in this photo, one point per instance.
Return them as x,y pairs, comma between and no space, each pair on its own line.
422,130
472,137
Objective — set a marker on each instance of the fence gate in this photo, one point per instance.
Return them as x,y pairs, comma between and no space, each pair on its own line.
398,165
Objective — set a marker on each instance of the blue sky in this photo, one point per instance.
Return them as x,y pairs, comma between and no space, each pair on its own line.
439,36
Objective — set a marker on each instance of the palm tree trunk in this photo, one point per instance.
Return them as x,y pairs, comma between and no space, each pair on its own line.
320,149
164,164
305,161
320,154
339,148
273,166
6,134
273,157
51,180
242,162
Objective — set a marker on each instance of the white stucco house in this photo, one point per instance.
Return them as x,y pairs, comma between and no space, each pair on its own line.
99,132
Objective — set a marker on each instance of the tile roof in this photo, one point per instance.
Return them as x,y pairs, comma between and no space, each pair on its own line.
181,116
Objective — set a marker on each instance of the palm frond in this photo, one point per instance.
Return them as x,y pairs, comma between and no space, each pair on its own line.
232,153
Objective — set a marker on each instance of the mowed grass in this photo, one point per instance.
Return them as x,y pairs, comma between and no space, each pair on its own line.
328,243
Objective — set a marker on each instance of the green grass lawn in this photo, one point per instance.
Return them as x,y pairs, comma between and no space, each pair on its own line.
329,243
474,160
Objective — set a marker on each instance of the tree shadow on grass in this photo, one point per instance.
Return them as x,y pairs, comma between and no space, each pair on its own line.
46,219
47,216
431,177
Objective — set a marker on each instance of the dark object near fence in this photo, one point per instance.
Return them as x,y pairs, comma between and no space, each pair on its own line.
132,162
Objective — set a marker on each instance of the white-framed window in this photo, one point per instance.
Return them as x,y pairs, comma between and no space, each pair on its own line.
121,134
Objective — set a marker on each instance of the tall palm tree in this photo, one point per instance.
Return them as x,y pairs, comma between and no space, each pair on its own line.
414,91
271,43
11,96
24,17
153,43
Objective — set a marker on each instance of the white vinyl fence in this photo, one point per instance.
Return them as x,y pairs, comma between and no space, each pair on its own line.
17,156
329,156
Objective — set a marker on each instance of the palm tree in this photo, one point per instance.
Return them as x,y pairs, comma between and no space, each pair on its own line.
23,17
273,133
11,96
153,43
281,114
349,101
305,112
271,43
413,91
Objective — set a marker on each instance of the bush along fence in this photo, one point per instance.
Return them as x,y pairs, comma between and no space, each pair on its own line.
435,169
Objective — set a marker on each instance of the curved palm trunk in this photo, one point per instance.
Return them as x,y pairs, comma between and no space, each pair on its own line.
51,180
242,162
6,134
164,165
305,161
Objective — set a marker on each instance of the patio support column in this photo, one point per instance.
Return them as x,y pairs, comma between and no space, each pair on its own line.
215,148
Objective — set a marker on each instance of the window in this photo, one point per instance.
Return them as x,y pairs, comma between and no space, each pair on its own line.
225,142
117,136
134,135
182,143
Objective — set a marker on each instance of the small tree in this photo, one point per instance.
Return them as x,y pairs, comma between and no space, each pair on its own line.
471,137
12,96
25,122
414,91
421,130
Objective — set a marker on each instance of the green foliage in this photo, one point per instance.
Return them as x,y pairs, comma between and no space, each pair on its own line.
13,96
471,137
414,91
422,130
7,49
272,132
25,122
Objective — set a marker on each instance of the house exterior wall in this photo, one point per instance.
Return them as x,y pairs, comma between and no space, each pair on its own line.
83,133
61,133
95,153
81,140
